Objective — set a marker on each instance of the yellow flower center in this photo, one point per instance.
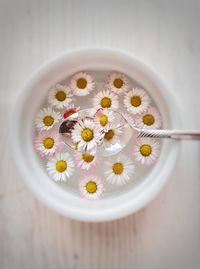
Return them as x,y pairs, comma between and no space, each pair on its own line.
76,145
48,142
148,119
106,102
91,187
109,135
103,120
87,134
145,150
118,83
61,96
88,158
118,168
48,120
135,101
61,166
81,83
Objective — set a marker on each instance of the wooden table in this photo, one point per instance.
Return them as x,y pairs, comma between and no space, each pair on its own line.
164,34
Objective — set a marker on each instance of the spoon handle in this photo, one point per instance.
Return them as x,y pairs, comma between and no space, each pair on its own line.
175,134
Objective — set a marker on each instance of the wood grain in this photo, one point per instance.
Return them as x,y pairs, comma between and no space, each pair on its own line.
164,34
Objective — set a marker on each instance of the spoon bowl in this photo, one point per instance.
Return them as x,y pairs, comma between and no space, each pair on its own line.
68,125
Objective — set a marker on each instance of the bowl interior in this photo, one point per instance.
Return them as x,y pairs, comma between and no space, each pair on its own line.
65,200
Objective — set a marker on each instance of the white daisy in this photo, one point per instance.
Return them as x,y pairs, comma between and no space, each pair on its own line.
112,135
48,143
150,119
59,96
90,187
119,169
86,134
82,84
85,160
106,99
103,118
47,118
146,150
71,109
60,167
136,101
117,82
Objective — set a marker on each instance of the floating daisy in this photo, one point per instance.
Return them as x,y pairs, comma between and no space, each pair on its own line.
151,119
48,143
146,150
106,99
117,82
71,109
103,118
119,169
136,101
86,134
47,118
90,187
59,96
82,84
112,135
85,160
60,167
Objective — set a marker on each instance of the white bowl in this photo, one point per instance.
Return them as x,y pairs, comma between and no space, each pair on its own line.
67,202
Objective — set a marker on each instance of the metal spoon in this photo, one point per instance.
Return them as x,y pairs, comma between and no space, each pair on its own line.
129,131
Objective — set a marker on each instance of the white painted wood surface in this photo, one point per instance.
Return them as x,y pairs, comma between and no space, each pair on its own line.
165,34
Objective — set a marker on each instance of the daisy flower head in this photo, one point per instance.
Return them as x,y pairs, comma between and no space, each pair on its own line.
103,118
90,187
47,118
117,82
48,143
150,119
119,170
71,109
112,135
86,134
82,84
85,160
136,101
106,99
60,167
59,96
146,150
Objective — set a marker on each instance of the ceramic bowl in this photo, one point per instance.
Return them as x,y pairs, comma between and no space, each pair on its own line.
66,201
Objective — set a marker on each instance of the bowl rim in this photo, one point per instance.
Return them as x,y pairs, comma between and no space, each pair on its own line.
108,215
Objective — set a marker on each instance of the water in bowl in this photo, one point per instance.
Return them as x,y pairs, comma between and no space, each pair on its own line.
84,102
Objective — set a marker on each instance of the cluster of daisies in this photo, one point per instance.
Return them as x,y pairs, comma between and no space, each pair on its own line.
102,130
